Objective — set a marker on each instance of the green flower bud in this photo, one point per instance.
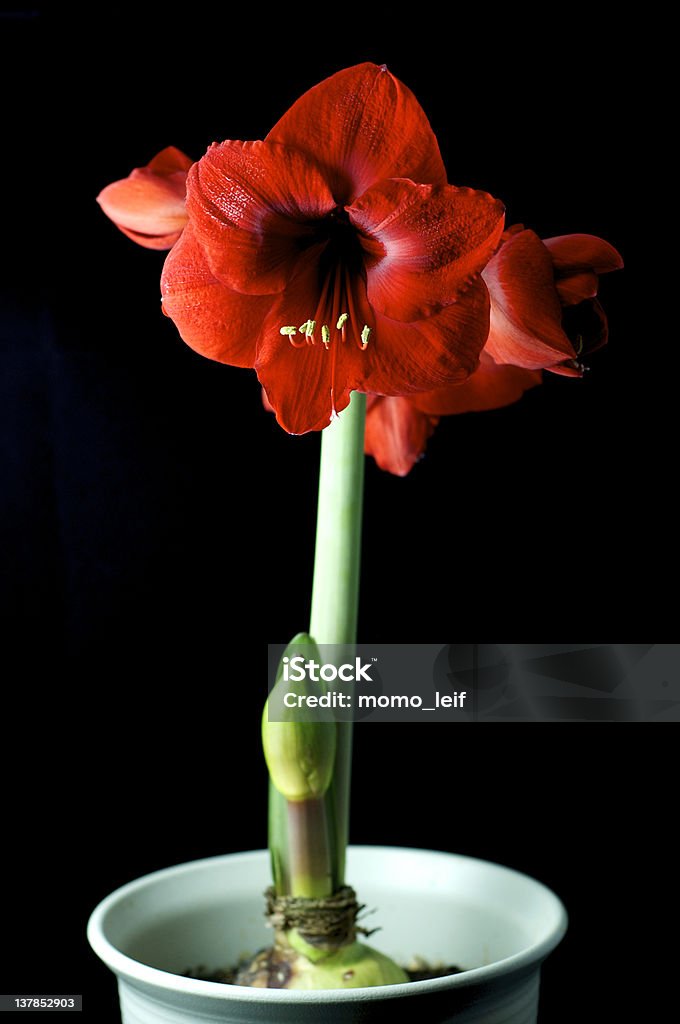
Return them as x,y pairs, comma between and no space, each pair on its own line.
300,749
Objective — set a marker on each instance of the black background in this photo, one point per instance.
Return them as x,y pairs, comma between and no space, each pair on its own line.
161,525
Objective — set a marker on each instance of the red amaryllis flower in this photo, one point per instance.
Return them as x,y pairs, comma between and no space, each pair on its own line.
333,256
149,206
543,314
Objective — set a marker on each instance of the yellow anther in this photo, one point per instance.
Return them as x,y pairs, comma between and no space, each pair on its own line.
365,335
325,335
342,320
311,327
288,331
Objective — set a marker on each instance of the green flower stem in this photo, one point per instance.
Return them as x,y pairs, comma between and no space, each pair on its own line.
302,846
311,862
278,840
335,592
308,838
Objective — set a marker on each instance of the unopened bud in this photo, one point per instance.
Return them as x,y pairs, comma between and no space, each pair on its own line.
300,747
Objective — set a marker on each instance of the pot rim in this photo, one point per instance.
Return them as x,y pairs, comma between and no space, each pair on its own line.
135,970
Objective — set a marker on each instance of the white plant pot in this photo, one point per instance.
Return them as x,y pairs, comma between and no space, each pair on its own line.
498,924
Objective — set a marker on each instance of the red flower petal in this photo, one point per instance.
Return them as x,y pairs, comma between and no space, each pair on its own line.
170,161
577,287
252,205
514,229
149,205
305,383
397,433
363,125
569,369
424,244
402,359
265,401
526,314
215,321
491,387
151,241
573,253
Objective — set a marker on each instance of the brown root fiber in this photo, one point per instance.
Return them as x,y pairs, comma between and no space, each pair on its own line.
326,924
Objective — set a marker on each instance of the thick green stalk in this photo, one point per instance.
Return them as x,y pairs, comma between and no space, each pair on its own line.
311,861
278,840
308,837
335,592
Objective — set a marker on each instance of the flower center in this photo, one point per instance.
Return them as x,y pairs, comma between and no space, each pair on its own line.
343,247
340,269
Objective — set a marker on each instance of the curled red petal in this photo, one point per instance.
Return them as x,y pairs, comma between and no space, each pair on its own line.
253,207
573,253
576,288
492,386
362,125
159,242
397,434
526,313
212,319
424,244
149,205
